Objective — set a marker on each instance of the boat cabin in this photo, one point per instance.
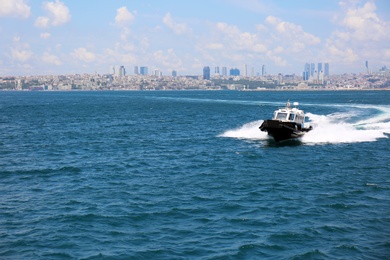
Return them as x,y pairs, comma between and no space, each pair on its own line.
289,114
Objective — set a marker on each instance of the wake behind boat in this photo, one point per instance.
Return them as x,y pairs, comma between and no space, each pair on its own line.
287,123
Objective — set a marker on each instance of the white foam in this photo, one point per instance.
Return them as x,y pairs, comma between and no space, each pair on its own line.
329,129
247,131
334,129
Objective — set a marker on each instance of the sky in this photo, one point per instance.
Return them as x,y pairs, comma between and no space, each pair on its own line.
88,36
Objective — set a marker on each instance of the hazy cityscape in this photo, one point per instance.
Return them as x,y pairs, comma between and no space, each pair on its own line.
314,77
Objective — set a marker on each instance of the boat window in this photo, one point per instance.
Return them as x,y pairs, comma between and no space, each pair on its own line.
281,116
291,117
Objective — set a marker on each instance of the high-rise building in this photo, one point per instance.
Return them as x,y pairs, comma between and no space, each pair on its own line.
245,70
224,71
174,73
136,72
326,70
206,72
319,67
120,71
234,72
144,70
112,70
306,72
216,71
312,69
263,72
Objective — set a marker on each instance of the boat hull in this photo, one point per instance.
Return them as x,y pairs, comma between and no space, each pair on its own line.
281,131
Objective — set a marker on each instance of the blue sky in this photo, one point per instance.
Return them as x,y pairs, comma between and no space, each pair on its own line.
70,36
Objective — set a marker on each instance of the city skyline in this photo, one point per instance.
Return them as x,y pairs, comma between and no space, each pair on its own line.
66,37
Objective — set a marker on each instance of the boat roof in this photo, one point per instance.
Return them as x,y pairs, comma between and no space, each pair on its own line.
288,108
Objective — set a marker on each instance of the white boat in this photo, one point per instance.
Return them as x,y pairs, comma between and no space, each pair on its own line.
287,123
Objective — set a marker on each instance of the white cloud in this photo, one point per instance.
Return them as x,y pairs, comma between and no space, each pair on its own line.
42,22
21,55
123,16
58,14
51,59
20,51
177,28
45,35
291,34
83,55
235,40
167,59
361,34
16,8
215,46
363,23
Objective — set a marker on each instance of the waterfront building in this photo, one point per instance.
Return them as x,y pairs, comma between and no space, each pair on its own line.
319,69
306,72
157,73
312,69
326,70
112,70
120,71
144,70
206,72
234,72
224,71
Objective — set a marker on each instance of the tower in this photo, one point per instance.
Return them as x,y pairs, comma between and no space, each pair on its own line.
144,70
319,67
112,70
326,70
224,71
206,72
307,72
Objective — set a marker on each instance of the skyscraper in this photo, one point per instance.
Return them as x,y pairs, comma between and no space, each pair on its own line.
306,72
120,71
144,70
174,73
263,71
224,71
206,72
312,69
112,70
319,67
136,70
234,72
216,70
326,71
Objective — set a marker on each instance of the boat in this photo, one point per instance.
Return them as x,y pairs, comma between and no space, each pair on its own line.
287,123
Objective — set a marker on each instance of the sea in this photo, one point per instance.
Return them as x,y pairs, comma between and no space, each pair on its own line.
189,175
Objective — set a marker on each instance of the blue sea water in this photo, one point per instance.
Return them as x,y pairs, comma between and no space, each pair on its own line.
188,175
